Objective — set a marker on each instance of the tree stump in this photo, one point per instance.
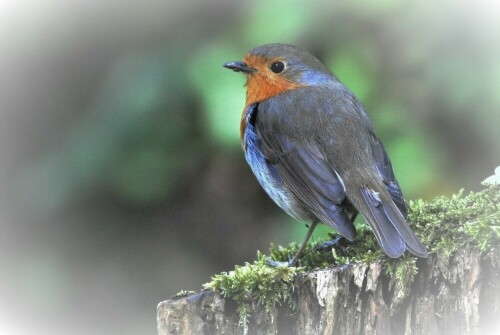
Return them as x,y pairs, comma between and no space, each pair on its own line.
457,294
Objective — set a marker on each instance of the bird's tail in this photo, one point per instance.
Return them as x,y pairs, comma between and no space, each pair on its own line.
390,227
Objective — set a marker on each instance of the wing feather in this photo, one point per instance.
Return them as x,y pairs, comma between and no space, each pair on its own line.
309,175
384,168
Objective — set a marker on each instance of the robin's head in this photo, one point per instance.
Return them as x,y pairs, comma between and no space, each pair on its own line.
274,68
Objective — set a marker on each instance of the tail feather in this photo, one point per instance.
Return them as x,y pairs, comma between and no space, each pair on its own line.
390,227
413,244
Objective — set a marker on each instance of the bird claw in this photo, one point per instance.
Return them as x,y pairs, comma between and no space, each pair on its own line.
292,262
277,264
329,245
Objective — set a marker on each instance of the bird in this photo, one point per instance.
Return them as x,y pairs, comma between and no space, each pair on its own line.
310,144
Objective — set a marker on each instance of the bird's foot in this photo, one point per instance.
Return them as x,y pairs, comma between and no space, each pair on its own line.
337,242
278,264
292,262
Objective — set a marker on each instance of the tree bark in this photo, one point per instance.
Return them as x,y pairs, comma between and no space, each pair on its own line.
457,294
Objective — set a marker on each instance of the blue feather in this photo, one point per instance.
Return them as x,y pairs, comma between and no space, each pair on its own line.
264,171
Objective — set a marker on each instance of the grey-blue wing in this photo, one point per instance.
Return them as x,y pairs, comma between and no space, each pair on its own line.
384,168
309,176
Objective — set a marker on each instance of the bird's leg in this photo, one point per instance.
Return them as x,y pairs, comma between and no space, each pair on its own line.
292,262
298,255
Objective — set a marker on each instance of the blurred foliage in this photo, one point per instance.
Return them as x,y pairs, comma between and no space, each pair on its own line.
222,95
145,126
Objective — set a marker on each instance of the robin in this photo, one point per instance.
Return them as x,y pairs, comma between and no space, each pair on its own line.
310,144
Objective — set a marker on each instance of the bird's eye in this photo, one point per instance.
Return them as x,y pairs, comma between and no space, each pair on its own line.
277,67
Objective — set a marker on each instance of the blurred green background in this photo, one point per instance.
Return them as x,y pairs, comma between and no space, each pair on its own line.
123,179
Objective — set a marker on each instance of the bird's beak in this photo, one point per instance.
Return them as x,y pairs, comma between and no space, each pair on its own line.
239,67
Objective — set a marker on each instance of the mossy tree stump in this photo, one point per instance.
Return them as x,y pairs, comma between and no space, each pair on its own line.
459,294
456,290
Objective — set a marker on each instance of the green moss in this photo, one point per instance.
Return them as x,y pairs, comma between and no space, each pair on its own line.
256,283
444,225
403,270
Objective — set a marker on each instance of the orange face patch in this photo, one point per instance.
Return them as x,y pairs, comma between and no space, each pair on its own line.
263,83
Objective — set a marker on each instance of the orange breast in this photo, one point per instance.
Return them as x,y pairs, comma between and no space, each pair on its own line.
263,86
